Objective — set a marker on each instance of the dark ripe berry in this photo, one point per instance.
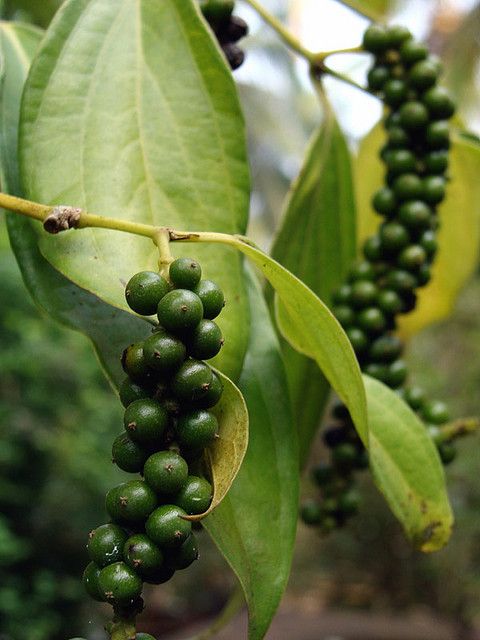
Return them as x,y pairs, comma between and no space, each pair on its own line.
235,30
163,352
344,456
192,381
142,555
423,75
447,452
235,56
212,298
185,555
127,454
384,201
205,341
398,138
396,374
375,39
160,576
322,474
130,502
408,187
90,582
401,281
437,135
412,257
439,104
358,339
412,51
396,35
105,544
213,395
435,412
144,291
395,92
376,370
196,429
145,421
372,248
180,311
409,299
386,348
342,294
134,364
389,302
217,12
436,162
361,271
341,412
424,275
195,496
372,320
364,293
333,436
415,397
394,237
415,215
433,189
167,528
348,502
166,472
377,77
400,161
119,583
185,273
130,391
311,512
344,314
413,115
428,240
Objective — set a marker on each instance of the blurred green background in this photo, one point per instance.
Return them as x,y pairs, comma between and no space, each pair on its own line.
58,415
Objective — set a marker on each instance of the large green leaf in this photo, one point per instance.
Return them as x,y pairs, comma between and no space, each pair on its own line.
460,226
130,111
255,525
317,243
407,469
373,9
109,329
41,11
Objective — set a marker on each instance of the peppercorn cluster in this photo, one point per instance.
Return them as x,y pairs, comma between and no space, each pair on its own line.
228,29
167,395
396,260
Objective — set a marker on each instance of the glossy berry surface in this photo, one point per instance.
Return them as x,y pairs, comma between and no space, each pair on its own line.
195,496
130,502
212,298
105,544
192,381
130,391
119,583
185,555
166,527
142,555
127,454
145,421
166,472
205,341
90,582
180,311
213,395
185,273
196,429
144,291
163,352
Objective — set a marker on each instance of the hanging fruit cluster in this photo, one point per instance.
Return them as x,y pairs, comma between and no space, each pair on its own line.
228,29
397,259
167,395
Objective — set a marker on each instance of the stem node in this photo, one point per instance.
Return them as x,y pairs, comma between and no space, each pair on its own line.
62,218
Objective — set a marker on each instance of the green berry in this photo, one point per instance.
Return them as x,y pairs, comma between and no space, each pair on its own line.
142,555
412,257
415,397
408,187
386,348
433,189
322,474
362,270
161,575
342,294
377,77
428,240
105,544
415,214
389,302
119,583
185,273
130,502
439,104
90,581
163,352
375,39
185,555
166,472
213,395
413,115
344,314
447,452
423,275
372,248
395,92
384,201
133,363
397,34
401,281
376,370
344,455
392,120
371,320
358,339
401,161
130,391
364,293
394,237
423,75
144,291
195,496
212,298
398,138
205,341
167,528
412,51
180,311
127,454
435,412
196,429
436,162
348,502
217,12
437,135
145,421
396,374
192,381
311,512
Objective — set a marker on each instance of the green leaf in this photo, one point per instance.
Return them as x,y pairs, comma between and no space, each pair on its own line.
255,525
373,9
130,111
459,219
226,455
407,469
317,243
41,11
109,329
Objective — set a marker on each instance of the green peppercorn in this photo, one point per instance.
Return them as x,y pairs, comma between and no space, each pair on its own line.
395,92
386,348
322,474
377,77
396,374
394,237
342,294
428,240
396,35
384,201
401,281
423,275
423,75
185,273
398,138
364,293
435,412
372,248
408,187
160,576
447,452
401,160
205,341
344,314
130,391
389,302
165,472
192,381
212,298
437,135
212,396
413,115
415,215
119,583
180,311
371,320
185,555
412,257
439,104
145,421
358,339
142,555
144,291
311,512
375,38
412,51
105,544
127,454
376,370
433,189
415,397
90,582
195,496
134,364
163,352
436,162
196,429
130,502
344,456
362,270
167,527
348,502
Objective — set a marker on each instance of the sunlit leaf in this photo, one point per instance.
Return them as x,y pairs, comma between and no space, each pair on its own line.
373,9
